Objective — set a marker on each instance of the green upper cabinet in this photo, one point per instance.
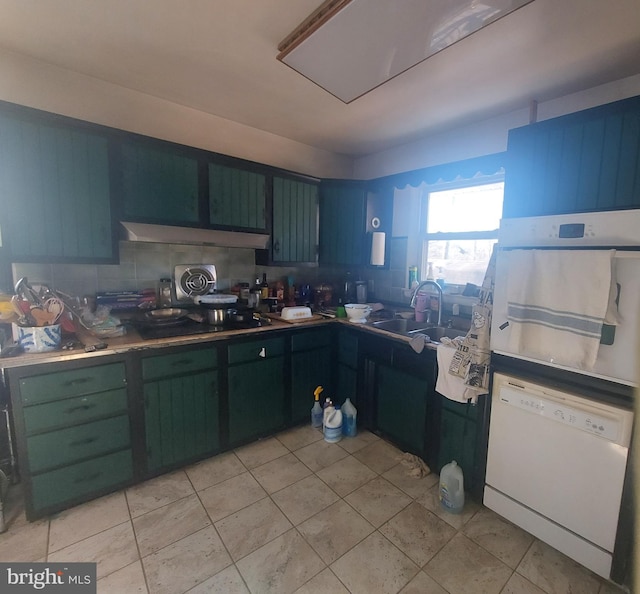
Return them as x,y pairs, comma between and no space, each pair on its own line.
584,161
237,197
55,192
158,184
295,221
342,223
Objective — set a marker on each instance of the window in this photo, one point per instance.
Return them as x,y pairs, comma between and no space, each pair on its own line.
461,226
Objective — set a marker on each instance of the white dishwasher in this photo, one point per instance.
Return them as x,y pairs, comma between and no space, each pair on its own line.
556,466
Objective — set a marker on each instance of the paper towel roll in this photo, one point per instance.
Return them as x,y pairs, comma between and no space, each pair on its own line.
377,248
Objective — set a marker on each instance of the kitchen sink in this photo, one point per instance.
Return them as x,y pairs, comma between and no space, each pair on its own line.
400,326
411,328
437,333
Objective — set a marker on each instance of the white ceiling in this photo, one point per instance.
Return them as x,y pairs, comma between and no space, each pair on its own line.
219,56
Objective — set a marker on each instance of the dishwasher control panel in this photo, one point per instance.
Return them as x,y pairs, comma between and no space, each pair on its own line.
559,411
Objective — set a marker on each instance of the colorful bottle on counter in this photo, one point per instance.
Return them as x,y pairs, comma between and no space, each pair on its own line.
316,411
264,287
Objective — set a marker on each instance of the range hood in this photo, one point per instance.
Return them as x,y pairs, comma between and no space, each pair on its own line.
193,236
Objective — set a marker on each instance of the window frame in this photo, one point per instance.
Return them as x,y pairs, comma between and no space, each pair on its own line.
425,237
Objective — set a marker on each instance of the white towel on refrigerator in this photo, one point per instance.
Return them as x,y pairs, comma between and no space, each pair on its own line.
557,301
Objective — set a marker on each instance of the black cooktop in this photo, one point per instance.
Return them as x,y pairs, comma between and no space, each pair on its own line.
190,328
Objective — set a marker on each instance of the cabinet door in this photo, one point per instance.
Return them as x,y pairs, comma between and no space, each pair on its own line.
54,184
585,161
237,197
159,185
342,224
402,408
309,369
256,399
181,418
295,221
457,442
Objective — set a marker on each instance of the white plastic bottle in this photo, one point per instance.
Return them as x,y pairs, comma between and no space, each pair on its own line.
452,488
333,425
349,413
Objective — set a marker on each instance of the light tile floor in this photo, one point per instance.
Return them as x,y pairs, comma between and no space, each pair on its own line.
293,513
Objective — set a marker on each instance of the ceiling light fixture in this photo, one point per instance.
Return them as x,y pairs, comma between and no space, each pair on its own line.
349,47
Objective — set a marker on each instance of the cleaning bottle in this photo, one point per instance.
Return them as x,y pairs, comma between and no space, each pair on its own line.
327,408
316,411
333,424
451,493
349,413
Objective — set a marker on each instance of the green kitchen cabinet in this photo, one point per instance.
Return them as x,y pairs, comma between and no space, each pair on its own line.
56,193
347,370
343,206
181,399
402,408
294,236
73,432
458,437
310,367
582,162
159,183
461,440
256,393
237,197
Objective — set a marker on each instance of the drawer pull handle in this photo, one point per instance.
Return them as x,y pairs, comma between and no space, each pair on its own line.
85,441
83,407
181,362
78,381
87,479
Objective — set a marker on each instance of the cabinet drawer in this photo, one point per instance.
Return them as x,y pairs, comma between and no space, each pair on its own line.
256,350
84,441
73,411
72,482
304,341
179,363
74,382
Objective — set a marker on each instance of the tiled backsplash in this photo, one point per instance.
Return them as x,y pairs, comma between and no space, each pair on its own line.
143,264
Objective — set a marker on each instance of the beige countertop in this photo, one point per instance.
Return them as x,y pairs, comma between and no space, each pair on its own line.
133,342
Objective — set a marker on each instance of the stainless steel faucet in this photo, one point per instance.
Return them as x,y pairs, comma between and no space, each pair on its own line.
438,288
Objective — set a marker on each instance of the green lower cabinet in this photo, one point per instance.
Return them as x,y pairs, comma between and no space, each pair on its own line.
347,385
72,483
309,369
458,438
347,376
401,410
181,418
256,399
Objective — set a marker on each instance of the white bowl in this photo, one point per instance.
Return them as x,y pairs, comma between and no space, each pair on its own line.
357,312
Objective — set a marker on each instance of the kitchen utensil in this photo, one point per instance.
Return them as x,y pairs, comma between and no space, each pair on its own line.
357,312
216,299
35,339
217,316
23,312
55,307
165,315
295,313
